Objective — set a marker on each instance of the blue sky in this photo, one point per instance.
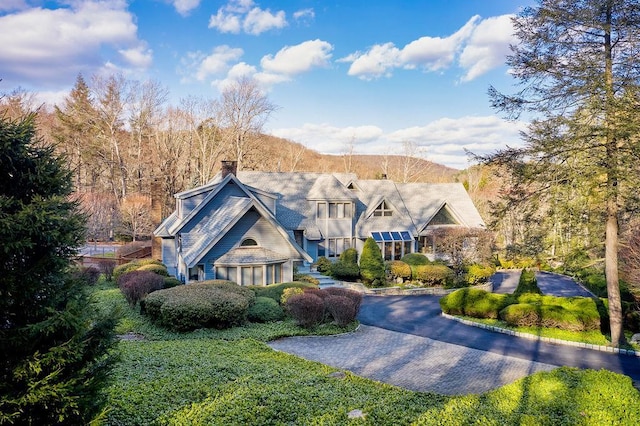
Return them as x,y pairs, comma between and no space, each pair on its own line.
373,74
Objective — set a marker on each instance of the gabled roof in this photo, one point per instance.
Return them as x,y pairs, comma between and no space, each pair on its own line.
327,187
204,236
424,201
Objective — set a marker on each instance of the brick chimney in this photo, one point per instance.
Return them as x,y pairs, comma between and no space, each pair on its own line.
229,167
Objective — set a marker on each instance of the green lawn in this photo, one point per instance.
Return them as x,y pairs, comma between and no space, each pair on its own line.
233,378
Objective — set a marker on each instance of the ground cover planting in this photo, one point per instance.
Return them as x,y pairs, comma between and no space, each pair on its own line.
232,377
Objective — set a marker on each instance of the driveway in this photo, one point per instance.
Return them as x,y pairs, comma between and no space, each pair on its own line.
406,341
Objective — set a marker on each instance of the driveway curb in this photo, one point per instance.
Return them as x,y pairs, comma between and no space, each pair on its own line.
529,336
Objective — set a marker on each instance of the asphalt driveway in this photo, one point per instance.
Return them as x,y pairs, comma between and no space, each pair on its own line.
407,342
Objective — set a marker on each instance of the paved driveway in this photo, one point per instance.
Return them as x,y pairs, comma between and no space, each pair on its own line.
405,341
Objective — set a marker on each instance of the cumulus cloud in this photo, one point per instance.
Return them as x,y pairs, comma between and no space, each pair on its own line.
218,62
487,47
184,7
244,15
477,47
51,46
13,5
444,141
297,59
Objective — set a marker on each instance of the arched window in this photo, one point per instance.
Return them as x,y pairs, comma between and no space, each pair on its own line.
248,242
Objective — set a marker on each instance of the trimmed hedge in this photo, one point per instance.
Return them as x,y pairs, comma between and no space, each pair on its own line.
156,269
398,269
433,274
478,274
341,309
170,282
475,303
274,291
323,265
345,271
566,313
355,296
265,309
415,259
216,303
140,264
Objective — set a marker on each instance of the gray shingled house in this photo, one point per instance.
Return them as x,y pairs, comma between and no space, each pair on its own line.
253,227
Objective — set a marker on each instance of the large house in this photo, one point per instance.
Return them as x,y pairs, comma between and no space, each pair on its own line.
253,227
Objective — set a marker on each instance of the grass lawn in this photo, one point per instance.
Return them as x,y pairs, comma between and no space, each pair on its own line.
232,377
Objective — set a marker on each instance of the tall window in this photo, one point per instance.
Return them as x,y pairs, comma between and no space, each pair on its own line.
340,210
322,210
383,210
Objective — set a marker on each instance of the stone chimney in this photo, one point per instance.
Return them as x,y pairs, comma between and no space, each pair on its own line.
229,167
156,218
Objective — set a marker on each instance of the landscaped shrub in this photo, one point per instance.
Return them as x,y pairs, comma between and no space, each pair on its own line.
87,274
156,269
306,309
349,256
478,274
415,259
305,278
216,303
288,292
398,270
123,269
323,265
317,291
170,282
433,274
527,283
475,303
341,308
275,291
355,296
345,271
107,266
136,285
265,309
551,316
372,264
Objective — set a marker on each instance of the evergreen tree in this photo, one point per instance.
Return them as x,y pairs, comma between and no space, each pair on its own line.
54,352
372,264
577,64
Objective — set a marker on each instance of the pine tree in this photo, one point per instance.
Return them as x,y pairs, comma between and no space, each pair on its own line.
372,264
54,352
577,66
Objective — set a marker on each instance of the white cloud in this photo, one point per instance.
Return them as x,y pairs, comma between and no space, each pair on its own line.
51,46
377,62
243,15
292,60
139,57
218,62
479,46
13,5
488,46
258,21
304,15
184,7
444,141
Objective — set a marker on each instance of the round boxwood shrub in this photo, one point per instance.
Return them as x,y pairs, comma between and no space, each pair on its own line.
218,304
123,269
349,256
265,309
397,269
415,259
170,282
156,269
433,274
